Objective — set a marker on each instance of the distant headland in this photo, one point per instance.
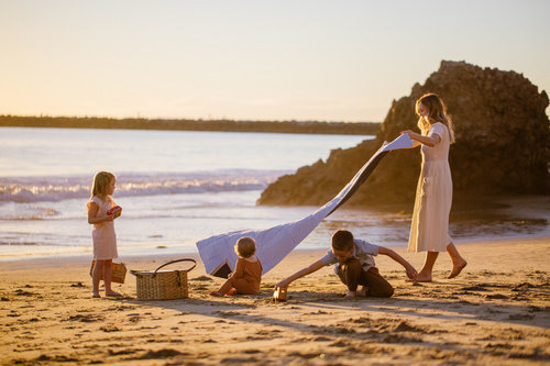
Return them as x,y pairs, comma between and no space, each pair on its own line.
308,127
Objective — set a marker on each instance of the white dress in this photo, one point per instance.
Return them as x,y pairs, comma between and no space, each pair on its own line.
434,194
103,234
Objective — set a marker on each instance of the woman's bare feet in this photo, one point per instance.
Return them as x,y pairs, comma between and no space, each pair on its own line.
457,268
112,294
96,295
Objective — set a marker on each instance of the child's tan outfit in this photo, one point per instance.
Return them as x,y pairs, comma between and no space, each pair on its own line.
103,233
246,278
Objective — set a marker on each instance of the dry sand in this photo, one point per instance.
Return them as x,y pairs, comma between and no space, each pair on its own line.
496,313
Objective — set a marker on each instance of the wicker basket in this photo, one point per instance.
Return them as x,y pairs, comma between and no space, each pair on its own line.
163,285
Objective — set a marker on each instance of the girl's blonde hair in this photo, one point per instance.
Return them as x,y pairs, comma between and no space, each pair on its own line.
101,183
245,247
437,112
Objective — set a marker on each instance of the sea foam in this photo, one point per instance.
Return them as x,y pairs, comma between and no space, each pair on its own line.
54,189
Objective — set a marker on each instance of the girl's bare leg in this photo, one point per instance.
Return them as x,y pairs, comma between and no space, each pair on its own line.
96,274
425,274
458,262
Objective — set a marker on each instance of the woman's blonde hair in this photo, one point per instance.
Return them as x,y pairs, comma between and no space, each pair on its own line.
437,112
101,183
245,247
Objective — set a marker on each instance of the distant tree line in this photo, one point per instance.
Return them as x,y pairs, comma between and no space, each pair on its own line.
308,127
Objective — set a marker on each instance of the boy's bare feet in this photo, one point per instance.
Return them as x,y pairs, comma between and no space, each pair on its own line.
216,294
96,295
350,294
362,291
457,268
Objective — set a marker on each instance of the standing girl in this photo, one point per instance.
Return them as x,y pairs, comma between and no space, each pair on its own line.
103,231
434,193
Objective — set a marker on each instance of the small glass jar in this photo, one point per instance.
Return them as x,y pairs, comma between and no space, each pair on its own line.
279,294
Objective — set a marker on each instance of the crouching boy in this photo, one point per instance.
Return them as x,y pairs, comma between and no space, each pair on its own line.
355,266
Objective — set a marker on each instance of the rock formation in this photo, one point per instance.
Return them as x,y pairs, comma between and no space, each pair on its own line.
502,144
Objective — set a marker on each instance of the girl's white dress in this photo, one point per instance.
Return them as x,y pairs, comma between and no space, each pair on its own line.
103,234
434,194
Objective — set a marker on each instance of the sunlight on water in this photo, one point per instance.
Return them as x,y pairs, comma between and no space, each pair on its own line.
68,152
175,187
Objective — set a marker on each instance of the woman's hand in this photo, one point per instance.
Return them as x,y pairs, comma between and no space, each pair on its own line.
412,134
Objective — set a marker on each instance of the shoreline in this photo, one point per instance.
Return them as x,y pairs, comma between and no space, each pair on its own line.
171,252
85,259
82,258
496,312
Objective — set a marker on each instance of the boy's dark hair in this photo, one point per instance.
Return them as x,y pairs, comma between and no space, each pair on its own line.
342,240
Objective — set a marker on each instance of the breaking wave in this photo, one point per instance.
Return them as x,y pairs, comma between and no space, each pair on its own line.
54,189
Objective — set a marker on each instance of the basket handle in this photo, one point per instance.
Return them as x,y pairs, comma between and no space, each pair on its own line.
176,261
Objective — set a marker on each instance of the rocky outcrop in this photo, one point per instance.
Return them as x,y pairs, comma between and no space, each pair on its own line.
502,144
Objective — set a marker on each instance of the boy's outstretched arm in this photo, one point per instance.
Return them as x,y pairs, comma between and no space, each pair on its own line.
301,273
411,272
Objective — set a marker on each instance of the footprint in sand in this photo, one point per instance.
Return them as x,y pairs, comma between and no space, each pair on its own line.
403,326
321,339
89,318
110,328
226,314
161,354
20,292
475,288
134,319
304,355
521,317
396,338
57,358
240,360
252,351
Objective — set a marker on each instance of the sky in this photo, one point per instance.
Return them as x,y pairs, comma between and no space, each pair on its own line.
307,60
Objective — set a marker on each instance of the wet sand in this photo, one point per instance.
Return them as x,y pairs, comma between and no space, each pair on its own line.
497,312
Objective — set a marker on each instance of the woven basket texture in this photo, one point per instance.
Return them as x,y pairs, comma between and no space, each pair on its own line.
163,285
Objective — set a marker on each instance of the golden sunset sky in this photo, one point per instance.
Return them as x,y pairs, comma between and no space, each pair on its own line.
258,60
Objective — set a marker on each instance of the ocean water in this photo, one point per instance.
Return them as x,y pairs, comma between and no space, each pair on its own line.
178,187
175,187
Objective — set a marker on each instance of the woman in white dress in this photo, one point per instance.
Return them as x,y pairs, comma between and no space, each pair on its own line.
434,193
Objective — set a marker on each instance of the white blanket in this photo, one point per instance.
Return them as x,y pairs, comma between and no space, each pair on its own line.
273,244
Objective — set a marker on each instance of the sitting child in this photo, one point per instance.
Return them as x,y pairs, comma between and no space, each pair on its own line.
248,271
355,266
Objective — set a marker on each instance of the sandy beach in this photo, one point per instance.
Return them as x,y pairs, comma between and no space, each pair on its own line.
496,313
